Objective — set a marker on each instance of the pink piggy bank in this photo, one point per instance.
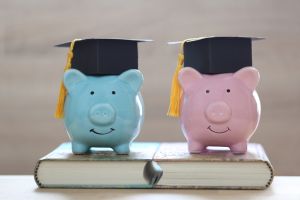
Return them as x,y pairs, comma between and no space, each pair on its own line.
219,110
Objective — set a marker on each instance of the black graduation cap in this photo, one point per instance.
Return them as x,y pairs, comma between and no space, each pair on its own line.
216,55
99,57
210,55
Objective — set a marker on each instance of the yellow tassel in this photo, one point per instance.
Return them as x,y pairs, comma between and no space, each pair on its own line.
59,113
176,91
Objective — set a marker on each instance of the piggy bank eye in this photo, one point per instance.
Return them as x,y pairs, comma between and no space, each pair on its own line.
92,92
228,90
113,92
207,91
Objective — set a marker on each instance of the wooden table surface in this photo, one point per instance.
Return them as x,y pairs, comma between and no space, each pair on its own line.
24,187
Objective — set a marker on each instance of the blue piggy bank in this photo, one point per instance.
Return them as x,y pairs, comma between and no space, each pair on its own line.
103,111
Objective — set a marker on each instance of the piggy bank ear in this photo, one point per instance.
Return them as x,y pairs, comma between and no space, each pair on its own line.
188,77
134,78
72,78
249,76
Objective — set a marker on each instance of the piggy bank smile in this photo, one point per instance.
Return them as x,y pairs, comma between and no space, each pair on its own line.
218,132
102,133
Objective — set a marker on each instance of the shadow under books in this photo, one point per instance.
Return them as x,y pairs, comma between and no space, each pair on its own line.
153,193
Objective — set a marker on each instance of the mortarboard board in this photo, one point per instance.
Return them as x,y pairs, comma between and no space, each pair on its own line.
210,55
99,57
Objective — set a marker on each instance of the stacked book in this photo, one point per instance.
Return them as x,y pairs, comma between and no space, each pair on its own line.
155,165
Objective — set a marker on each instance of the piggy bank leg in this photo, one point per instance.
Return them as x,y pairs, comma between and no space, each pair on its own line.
79,148
196,147
239,148
122,149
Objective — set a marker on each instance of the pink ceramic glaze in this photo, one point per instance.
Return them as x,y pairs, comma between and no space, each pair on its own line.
219,110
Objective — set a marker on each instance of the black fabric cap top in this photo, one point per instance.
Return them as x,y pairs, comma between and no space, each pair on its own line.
216,55
97,57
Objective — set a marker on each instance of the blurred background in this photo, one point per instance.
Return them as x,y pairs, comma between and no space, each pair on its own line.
31,68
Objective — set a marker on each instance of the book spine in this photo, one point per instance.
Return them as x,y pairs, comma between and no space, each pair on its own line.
271,173
263,156
35,174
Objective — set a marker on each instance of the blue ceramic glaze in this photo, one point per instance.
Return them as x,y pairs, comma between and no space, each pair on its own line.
103,111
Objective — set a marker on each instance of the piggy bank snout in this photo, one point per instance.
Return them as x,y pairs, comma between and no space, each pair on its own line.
102,114
218,112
